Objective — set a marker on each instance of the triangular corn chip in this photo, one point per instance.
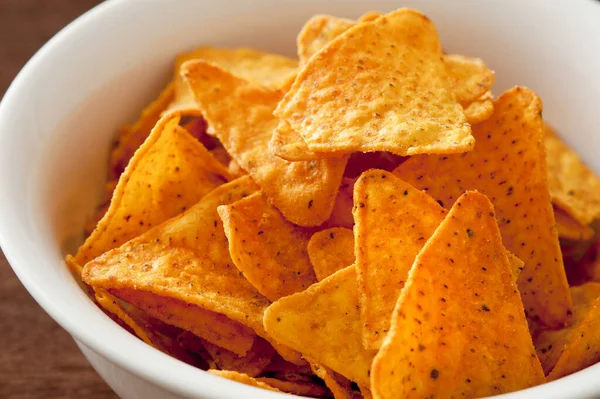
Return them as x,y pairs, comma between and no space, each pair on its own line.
213,327
186,258
289,145
469,77
379,86
252,364
130,138
509,166
266,248
241,114
338,385
573,186
272,70
168,174
331,250
323,323
459,327
317,32
393,222
480,109
569,228
563,352
243,378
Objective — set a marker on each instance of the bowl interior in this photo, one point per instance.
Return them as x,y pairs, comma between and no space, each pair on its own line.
58,120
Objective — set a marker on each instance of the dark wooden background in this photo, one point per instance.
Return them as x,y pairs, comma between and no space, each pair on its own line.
37,358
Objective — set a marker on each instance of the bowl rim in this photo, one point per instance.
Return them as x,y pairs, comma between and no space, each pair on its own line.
185,380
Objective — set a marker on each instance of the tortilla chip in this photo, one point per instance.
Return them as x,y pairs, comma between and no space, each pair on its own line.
338,385
241,114
509,166
289,145
213,327
573,186
346,99
269,251
563,352
480,109
393,222
331,250
341,215
469,77
317,32
132,137
252,364
271,70
296,387
323,323
569,228
170,173
243,378
516,265
186,258
459,327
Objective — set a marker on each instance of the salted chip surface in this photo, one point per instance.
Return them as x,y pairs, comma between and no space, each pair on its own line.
508,165
289,145
269,251
242,116
459,327
130,138
569,228
244,379
213,327
323,323
253,363
379,86
573,348
393,220
469,77
573,186
186,258
271,70
317,32
480,109
170,172
331,250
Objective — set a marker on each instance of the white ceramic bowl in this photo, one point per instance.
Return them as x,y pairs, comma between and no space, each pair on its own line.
60,114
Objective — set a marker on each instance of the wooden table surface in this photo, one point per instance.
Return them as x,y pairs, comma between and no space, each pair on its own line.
37,358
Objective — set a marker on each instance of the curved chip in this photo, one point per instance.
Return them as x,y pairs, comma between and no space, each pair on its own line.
379,86
509,166
331,250
242,115
459,327
469,77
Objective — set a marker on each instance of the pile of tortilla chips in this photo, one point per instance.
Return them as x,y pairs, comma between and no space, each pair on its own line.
367,220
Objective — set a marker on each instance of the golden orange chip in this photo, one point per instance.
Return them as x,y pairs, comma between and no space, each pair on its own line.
170,172
242,116
573,186
301,388
132,137
289,145
379,86
469,77
323,323
215,328
269,251
509,166
338,385
244,379
271,70
186,258
563,352
331,250
252,364
393,222
459,327
480,109
569,228
317,32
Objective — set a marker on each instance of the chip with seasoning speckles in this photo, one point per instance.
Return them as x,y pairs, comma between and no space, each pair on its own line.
565,351
480,109
509,166
211,326
323,323
459,327
243,378
380,86
168,174
242,116
331,250
393,222
269,251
